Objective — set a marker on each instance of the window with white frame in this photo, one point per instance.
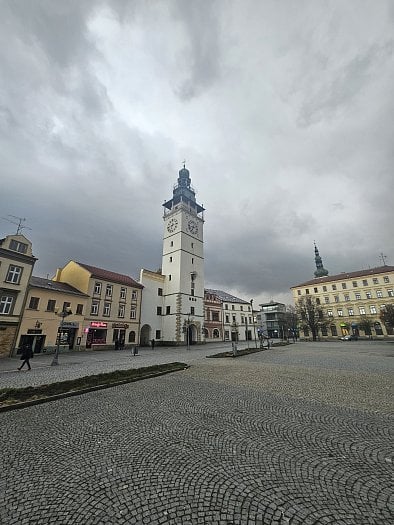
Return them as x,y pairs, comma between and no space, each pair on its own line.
386,279
355,284
347,297
326,299
108,290
6,302
343,286
390,293
17,246
329,313
361,309
379,294
350,312
123,292
336,298
340,312
14,274
358,295
121,310
97,287
372,309
375,280
107,309
365,282
368,295
134,295
133,312
94,308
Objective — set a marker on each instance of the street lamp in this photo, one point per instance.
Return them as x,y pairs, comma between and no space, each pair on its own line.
63,314
254,324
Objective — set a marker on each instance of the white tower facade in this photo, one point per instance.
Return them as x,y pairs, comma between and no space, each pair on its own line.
183,265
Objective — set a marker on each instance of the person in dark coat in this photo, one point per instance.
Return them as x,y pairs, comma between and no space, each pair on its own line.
26,355
153,344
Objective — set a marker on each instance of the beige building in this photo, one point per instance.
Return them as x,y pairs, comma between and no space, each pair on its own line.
351,299
16,266
41,324
113,310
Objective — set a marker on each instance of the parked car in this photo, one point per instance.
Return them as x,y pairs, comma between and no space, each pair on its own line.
350,337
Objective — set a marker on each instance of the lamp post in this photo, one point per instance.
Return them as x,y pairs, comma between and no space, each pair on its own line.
64,313
254,324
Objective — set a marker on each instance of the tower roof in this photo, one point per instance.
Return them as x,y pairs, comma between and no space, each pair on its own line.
320,270
183,192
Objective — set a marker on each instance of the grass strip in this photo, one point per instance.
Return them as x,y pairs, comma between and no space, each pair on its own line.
14,395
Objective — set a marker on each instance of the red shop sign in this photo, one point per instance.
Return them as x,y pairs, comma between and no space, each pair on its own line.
98,324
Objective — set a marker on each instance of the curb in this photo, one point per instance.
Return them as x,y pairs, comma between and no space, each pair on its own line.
72,393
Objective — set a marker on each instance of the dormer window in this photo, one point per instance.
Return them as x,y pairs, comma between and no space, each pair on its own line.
18,246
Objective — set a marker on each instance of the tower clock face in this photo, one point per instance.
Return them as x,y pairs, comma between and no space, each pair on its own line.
172,225
192,227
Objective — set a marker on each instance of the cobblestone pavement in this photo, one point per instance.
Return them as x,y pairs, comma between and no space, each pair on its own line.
286,436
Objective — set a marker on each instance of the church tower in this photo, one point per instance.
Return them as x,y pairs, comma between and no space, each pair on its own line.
183,265
320,270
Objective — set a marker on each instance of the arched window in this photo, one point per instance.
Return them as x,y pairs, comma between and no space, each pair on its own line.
132,337
206,334
216,333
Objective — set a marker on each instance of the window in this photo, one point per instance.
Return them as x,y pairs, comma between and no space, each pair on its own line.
324,288
192,260
131,336
227,318
334,286
307,291
108,290
329,313
358,295
350,312
79,310
317,300
390,293
232,307
160,291
158,334
192,310
17,246
226,306
121,310
324,330
299,292
171,259
343,286
354,283
315,290
375,280
97,288
133,312
333,329
347,297
233,318
107,309
134,295
336,298
192,291
379,294
215,316
34,302
242,319
94,309
172,244
169,277
386,279
326,299
361,310
158,310
6,303
365,282
242,308
368,295
51,305
123,292
14,274
372,309
168,310
216,333
66,306
192,244
340,312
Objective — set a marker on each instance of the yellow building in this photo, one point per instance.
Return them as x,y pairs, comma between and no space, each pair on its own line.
352,300
16,266
113,311
41,324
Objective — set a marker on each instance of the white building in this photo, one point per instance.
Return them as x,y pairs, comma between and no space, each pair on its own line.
177,294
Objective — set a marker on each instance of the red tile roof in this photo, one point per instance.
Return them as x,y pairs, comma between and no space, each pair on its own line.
347,275
106,275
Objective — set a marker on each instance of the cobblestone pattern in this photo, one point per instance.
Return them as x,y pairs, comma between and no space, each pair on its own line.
181,449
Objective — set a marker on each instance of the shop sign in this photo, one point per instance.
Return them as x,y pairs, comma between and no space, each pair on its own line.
98,324
70,324
120,325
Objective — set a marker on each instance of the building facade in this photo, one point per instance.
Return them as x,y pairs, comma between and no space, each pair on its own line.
113,309
271,320
41,327
213,317
183,265
16,266
352,301
152,307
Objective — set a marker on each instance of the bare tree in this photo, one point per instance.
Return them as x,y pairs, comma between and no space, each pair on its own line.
311,315
292,321
366,324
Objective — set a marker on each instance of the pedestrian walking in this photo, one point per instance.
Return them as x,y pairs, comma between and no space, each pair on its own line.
153,344
26,355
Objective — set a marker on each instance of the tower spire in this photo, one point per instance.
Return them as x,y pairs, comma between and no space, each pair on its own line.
320,270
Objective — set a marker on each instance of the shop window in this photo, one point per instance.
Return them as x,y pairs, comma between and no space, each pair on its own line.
33,303
132,336
334,331
324,331
378,329
14,274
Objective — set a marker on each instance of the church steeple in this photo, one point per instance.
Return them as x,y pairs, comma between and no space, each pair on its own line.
320,270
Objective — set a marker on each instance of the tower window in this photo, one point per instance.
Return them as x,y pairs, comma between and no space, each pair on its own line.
169,277
172,243
192,260
160,291
158,310
192,310
168,310
170,259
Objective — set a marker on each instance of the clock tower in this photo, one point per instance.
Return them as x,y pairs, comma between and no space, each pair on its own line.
183,265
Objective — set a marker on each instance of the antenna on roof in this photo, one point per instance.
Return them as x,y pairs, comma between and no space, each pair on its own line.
19,223
383,258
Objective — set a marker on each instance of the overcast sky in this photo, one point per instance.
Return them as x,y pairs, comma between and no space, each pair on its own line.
283,111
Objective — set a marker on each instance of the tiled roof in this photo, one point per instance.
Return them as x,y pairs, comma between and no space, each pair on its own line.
47,284
224,296
106,275
347,275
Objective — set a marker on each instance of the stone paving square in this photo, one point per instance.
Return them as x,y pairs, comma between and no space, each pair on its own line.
298,435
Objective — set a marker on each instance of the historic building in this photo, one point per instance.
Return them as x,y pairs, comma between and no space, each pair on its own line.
183,265
152,306
271,320
238,322
42,328
213,315
352,301
16,266
113,309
